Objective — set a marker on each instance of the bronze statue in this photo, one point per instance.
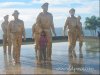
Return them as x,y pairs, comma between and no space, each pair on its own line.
45,20
36,30
16,28
80,34
6,37
71,26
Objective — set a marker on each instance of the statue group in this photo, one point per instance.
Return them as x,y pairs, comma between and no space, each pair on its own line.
42,30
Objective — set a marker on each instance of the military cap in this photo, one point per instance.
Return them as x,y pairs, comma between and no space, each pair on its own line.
15,13
45,5
6,16
72,9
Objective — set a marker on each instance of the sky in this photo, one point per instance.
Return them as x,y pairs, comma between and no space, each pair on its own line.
29,10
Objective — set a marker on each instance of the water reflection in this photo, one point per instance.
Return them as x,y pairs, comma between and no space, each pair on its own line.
43,69
10,67
61,63
92,47
75,64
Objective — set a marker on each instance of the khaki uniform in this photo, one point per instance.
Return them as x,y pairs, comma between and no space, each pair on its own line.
71,23
6,38
46,23
49,43
16,28
80,35
36,30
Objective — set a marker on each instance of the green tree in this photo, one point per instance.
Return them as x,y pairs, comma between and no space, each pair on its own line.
88,24
91,24
98,22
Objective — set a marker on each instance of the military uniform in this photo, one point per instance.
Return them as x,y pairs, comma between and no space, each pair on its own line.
80,34
45,19
71,24
36,30
16,28
6,38
72,34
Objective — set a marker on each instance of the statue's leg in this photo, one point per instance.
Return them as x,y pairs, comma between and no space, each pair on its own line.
14,41
19,42
36,49
39,56
74,38
4,44
80,43
9,46
37,44
49,47
70,44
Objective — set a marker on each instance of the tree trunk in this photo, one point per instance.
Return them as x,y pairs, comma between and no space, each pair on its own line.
91,32
95,32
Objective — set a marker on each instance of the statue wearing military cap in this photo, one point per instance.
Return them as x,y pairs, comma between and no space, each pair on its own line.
72,12
71,26
72,9
45,5
6,38
80,33
6,16
16,28
45,20
15,13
